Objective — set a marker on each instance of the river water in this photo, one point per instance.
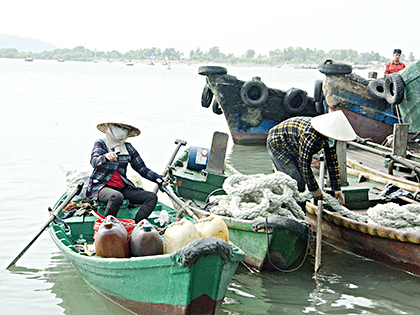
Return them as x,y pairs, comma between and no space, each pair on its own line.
49,113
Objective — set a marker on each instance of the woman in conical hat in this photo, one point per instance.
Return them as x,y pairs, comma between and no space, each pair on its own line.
109,159
292,143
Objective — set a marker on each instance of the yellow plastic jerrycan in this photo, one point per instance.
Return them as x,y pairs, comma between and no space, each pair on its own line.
213,226
179,234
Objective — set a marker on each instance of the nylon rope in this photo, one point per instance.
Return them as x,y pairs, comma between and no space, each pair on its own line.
259,195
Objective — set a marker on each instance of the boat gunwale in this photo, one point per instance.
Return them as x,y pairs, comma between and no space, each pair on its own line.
374,230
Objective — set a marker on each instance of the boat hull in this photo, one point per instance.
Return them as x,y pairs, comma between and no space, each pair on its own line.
369,118
274,248
386,245
160,284
410,106
249,124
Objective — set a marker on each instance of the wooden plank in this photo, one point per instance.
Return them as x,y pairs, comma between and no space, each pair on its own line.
365,169
217,157
399,147
382,180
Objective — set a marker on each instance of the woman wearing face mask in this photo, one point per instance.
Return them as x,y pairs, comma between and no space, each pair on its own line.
110,157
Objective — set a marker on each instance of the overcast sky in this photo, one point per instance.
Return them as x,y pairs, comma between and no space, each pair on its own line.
234,26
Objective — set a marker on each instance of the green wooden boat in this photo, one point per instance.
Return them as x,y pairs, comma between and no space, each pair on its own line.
193,280
410,91
272,244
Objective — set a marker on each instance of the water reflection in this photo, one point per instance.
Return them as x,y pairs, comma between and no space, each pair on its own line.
75,295
346,284
250,159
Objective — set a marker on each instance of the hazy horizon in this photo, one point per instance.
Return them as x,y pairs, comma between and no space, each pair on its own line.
233,26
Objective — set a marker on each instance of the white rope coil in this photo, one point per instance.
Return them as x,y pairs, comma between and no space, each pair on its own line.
406,217
259,195
251,196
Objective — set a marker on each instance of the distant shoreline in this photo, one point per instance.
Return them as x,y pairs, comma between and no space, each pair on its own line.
378,67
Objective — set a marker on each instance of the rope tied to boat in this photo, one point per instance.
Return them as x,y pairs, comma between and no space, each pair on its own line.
405,217
260,195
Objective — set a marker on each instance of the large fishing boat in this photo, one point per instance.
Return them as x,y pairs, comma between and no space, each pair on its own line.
250,107
363,101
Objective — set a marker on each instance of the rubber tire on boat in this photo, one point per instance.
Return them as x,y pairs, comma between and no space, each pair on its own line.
207,70
295,100
254,93
318,91
394,89
206,96
301,230
188,255
319,107
216,108
328,66
376,89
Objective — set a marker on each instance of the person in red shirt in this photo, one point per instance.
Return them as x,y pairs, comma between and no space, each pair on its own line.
394,65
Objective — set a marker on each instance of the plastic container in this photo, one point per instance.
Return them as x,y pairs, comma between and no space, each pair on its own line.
213,226
197,158
178,235
111,240
127,223
145,240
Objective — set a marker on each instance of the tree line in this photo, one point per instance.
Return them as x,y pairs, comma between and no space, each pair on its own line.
290,55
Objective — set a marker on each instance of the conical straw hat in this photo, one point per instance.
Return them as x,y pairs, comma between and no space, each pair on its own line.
334,125
121,119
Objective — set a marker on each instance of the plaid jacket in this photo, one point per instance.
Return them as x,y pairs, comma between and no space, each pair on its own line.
295,138
104,169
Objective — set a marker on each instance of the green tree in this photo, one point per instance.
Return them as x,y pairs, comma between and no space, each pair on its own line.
250,54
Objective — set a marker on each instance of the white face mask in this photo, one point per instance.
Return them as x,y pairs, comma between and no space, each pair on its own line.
118,132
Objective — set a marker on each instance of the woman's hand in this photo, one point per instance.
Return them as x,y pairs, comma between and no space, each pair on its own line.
165,181
111,156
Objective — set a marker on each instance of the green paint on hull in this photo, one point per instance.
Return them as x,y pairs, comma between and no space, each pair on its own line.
280,247
410,107
159,280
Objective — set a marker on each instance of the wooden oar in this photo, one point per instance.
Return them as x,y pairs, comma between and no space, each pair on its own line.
52,217
178,143
319,217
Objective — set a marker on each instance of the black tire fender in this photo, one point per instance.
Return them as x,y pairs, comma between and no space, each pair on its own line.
206,96
319,107
254,93
376,89
189,254
328,66
299,229
207,70
394,89
318,91
295,100
216,108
